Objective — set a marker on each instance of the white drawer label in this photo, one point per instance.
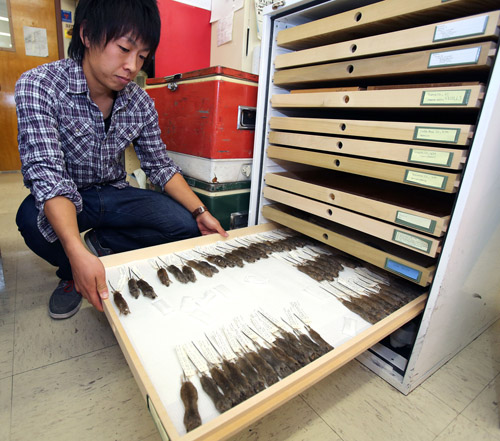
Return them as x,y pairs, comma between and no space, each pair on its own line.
426,179
445,97
463,28
418,222
457,57
434,157
437,134
412,241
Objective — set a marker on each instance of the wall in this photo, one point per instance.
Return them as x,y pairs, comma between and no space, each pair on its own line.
241,51
68,5
185,40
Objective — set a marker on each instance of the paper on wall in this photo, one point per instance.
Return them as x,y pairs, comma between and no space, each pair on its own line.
35,42
222,8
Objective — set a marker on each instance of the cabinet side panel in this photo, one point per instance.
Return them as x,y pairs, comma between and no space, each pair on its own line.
465,297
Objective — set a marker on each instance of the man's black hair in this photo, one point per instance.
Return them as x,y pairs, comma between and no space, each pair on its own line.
106,20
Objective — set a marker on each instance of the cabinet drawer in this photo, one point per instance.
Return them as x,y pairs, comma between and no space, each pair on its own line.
454,134
378,18
395,152
458,97
238,291
431,179
424,211
472,57
477,27
404,263
396,234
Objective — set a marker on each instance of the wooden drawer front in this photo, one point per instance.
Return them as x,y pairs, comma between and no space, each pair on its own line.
455,134
477,27
377,18
446,60
189,313
411,266
396,234
431,179
461,97
407,153
428,213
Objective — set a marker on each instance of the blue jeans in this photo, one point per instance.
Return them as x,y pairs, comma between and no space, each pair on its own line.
124,219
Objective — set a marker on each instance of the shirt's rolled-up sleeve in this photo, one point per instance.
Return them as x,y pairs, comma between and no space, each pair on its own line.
42,159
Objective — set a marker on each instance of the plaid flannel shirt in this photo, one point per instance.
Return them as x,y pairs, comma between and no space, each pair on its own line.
63,144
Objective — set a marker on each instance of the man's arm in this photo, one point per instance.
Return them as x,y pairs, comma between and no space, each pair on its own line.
88,271
178,189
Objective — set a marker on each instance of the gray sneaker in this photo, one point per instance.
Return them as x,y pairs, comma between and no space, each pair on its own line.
64,301
94,246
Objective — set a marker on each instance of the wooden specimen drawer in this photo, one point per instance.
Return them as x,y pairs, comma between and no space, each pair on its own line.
471,57
407,153
154,331
457,97
424,178
425,211
378,18
472,28
400,261
420,243
453,134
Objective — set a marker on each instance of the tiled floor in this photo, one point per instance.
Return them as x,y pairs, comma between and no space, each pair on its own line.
68,380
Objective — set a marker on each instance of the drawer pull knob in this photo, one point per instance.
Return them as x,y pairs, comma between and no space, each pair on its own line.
340,145
329,211
357,16
346,99
325,236
332,196
337,163
354,48
343,127
350,68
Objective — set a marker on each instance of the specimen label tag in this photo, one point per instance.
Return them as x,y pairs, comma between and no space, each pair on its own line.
414,221
195,357
232,340
186,365
220,342
292,320
208,351
445,97
299,312
462,28
262,328
436,134
243,327
426,179
412,241
434,157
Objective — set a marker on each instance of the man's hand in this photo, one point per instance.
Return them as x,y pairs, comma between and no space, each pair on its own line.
209,224
90,278
88,271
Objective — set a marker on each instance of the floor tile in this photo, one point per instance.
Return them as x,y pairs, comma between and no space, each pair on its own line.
6,344
461,429
358,405
468,372
484,411
40,341
92,397
5,408
154,437
295,421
